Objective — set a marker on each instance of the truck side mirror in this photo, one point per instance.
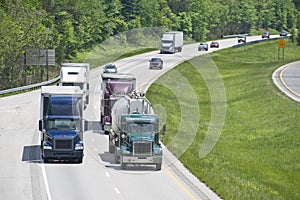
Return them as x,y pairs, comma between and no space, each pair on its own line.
86,125
40,125
163,129
87,99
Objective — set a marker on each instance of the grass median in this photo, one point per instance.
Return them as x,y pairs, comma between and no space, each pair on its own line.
257,155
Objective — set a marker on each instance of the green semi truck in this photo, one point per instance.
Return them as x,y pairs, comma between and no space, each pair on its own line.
134,136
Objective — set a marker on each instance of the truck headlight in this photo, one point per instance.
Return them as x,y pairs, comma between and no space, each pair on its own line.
125,151
47,145
79,146
157,151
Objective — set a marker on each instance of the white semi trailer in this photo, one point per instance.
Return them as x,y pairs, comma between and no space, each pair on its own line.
76,74
171,42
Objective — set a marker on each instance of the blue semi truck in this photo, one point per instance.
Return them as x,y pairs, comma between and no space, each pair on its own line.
61,124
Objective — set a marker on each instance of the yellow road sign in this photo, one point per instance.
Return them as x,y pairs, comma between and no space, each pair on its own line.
281,44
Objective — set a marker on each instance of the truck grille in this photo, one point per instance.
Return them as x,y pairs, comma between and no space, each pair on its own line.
142,148
63,144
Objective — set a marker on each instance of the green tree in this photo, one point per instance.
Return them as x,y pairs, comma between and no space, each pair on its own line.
21,28
199,19
114,20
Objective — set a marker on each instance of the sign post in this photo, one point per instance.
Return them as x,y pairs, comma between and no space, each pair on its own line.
40,57
281,46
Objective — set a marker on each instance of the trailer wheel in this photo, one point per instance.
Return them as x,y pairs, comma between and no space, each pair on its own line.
111,147
116,156
158,166
101,120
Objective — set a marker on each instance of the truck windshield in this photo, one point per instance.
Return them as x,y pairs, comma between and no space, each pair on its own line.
141,128
119,87
63,124
62,105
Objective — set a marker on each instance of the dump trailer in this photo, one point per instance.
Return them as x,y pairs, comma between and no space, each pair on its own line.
171,42
76,74
134,137
113,87
61,123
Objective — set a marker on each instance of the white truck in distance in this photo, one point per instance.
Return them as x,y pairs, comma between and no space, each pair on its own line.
171,42
76,74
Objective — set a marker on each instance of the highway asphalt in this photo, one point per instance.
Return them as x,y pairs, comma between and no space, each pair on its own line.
286,78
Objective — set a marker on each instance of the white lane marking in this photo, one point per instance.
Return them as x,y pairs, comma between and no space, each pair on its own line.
117,191
46,182
107,174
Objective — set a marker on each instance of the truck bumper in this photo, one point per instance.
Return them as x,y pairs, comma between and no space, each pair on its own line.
52,154
137,160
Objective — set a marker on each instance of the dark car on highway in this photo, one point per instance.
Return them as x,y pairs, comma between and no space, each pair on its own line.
241,38
214,45
265,35
156,63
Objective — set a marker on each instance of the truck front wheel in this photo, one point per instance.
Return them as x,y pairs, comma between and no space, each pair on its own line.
79,160
158,166
123,166
116,156
111,147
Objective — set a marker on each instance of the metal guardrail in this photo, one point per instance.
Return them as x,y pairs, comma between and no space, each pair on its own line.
30,87
255,41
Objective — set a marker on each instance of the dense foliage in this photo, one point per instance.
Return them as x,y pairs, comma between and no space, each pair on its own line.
71,26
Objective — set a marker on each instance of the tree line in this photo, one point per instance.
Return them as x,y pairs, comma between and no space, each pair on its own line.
72,26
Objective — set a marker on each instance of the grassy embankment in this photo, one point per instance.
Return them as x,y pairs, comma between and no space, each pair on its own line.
258,153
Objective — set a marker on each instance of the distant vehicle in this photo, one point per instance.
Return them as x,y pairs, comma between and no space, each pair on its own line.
214,45
110,68
156,63
283,33
203,46
241,38
265,35
171,42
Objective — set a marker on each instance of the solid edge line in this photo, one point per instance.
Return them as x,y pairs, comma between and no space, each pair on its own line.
180,184
46,182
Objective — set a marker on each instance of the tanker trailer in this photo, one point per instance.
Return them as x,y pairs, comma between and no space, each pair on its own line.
134,137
